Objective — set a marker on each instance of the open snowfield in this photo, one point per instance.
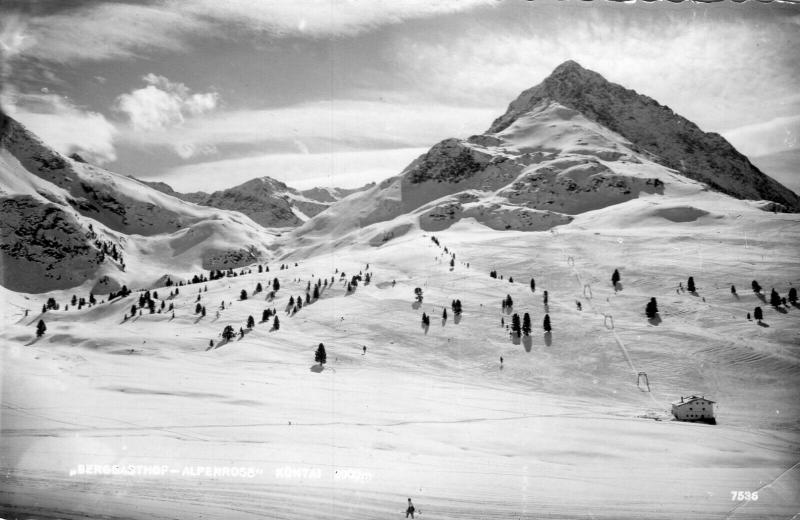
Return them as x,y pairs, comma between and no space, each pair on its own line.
560,431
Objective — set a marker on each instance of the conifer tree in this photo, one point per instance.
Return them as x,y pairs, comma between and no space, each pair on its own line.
515,324
320,356
316,292
202,311
733,289
291,301
756,287
276,285
250,322
533,285
758,314
258,288
545,297
526,324
227,333
265,315
444,314
651,309
792,295
418,293
690,284
243,295
275,323
40,329
197,308
546,324
615,278
774,298
510,279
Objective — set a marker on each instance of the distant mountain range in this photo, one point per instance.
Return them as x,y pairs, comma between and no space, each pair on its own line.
267,201
573,144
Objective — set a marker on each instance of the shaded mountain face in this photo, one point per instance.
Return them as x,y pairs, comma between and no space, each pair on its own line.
65,222
650,127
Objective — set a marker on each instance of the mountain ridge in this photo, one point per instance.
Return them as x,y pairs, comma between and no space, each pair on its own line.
676,142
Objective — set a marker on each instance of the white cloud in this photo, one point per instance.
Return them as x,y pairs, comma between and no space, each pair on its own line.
120,30
302,171
777,135
163,105
64,126
315,127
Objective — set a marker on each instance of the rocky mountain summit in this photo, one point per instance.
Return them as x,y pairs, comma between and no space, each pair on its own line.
674,141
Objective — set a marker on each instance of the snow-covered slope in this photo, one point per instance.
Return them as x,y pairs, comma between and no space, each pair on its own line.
561,430
65,222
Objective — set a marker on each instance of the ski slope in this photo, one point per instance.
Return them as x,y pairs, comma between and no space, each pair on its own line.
560,431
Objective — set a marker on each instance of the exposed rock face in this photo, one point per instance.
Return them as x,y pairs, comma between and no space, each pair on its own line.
675,141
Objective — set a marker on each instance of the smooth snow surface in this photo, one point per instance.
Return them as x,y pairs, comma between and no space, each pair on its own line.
561,431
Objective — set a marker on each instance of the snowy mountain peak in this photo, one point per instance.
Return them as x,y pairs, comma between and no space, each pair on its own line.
672,140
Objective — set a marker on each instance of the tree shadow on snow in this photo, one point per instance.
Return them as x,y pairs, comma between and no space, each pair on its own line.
457,319
34,340
655,320
548,338
761,297
317,368
416,305
444,322
781,310
762,324
617,287
515,339
694,293
527,342
425,328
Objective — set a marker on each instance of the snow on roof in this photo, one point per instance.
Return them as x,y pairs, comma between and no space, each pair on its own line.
691,399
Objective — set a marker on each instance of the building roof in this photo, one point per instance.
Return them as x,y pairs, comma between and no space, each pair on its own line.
691,399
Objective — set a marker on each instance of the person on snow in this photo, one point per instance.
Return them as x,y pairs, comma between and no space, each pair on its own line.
410,510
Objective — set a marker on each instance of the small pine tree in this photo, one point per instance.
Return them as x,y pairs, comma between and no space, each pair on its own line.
276,285
227,333
615,278
258,288
733,290
316,292
265,315
651,309
198,308
545,297
690,284
320,356
792,295
40,329
275,323
92,299
774,298
418,294
291,301
510,279
546,324
516,328
509,302
444,314
243,295
756,287
250,322
526,324
202,311
758,314
533,285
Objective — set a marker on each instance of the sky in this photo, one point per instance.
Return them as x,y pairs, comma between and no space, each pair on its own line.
206,94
